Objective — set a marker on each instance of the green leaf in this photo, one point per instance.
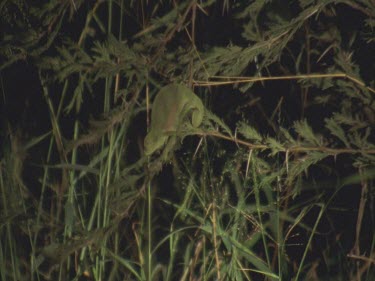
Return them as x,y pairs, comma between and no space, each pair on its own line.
336,130
249,132
305,131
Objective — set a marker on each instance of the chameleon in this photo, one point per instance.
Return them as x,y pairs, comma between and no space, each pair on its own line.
173,105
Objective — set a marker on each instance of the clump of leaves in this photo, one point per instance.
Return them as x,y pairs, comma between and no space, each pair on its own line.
257,192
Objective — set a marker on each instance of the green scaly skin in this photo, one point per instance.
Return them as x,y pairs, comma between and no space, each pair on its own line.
171,105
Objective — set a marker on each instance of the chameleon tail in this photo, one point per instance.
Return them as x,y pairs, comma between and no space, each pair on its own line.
197,114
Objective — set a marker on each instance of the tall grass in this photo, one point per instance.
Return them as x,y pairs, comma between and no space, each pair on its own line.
276,184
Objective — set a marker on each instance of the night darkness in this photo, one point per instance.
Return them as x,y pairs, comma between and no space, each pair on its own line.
282,168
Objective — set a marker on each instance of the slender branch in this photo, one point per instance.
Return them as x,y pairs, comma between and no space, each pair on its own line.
328,150
240,79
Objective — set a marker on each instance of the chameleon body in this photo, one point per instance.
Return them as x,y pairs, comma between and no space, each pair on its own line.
174,104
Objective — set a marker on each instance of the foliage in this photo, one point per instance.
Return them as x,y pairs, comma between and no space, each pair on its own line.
265,189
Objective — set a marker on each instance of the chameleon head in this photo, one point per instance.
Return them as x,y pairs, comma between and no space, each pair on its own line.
153,142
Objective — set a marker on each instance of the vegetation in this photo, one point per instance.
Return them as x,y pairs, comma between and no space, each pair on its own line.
276,184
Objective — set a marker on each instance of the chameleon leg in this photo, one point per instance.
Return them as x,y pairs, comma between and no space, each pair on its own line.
169,147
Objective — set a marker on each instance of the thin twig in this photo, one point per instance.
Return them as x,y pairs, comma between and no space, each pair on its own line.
240,79
328,150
